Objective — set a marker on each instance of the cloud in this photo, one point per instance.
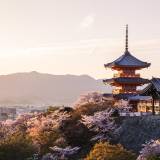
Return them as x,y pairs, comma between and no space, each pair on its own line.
87,21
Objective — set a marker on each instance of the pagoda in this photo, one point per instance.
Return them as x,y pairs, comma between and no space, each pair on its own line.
126,80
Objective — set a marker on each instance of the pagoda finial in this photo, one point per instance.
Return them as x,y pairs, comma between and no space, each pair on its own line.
126,48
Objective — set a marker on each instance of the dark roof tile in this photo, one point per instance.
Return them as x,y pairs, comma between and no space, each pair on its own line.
128,60
127,80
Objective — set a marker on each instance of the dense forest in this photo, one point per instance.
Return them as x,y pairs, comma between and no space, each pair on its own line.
91,130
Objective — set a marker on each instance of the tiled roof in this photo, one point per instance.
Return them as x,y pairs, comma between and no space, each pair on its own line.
108,96
139,97
154,83
127,60
118,96
123,96
127,96
127,80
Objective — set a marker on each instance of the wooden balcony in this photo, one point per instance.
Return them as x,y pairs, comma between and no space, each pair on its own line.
118,91
125,75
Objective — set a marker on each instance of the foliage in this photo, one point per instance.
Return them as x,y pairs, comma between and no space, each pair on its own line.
17,146
52,109
102,123
106,151
89,103
91,97
41,129
154,158
74,131
135,131
44,130
61,153
70,133
150,151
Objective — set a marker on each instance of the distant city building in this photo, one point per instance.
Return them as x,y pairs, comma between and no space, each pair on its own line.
7,113
126,80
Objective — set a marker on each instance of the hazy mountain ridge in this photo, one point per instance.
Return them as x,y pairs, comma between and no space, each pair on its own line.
40,88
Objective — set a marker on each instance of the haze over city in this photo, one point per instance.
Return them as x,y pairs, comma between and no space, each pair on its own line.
76,37
79,80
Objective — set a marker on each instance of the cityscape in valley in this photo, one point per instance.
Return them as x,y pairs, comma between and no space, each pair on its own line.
77,82
126,80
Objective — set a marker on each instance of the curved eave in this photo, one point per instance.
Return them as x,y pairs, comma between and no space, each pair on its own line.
127,60
116,66
124,96
107,96
130,81
153,86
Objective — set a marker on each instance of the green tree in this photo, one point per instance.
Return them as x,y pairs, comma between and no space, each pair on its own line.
47,140
16,147
154,158
91,108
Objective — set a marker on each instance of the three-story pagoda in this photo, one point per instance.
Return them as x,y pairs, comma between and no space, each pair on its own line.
126,80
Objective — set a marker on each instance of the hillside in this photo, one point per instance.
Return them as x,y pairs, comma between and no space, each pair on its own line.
38,88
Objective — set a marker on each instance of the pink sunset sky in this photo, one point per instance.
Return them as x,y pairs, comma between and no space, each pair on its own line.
77,36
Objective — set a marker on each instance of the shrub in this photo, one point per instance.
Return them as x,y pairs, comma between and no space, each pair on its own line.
101,123
44,130
17,147
46,140
91,108
154,158
150,151
90,103
74,131
106,151
51,109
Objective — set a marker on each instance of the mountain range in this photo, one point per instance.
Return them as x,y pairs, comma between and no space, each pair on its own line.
34,88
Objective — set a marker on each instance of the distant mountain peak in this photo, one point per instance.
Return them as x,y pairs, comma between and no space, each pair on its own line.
42,88
34,72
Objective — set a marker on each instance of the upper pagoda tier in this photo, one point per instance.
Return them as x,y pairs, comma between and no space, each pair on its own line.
126,80
127,60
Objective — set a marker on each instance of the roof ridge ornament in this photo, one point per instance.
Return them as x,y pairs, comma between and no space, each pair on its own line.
126,47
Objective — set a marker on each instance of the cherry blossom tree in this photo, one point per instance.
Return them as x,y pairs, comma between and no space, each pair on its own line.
91,97
61,153
149,150
101,123
44,130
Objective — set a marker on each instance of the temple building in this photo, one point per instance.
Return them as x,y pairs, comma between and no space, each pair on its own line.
126,80
152,90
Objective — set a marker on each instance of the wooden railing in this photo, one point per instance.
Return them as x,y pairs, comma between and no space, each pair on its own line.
125,75
117,91
132,114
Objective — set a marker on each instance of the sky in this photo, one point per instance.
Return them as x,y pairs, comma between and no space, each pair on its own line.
77,36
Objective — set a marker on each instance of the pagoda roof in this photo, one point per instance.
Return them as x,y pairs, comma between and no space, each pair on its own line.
127,60
108,96
140,98
118,96
124,96
127,96
127,80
